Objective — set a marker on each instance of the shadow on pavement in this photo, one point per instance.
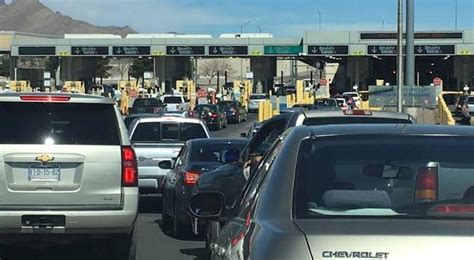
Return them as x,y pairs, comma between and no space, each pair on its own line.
69,252
199,253
187,235
150,204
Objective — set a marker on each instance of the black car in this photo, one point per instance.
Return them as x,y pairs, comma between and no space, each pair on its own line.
234,111
213,115
196,158
147,105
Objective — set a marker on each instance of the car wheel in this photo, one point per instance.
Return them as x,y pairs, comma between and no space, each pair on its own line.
212,231
123,246
178,228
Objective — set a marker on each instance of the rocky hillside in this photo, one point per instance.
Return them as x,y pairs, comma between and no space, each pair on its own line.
34,17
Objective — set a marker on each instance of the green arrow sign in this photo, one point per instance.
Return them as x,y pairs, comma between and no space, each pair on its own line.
295,50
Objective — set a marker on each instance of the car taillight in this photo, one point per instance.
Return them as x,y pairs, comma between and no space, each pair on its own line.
452,209
191,178
358,112
46,98
426,186
235,110
129,167
214,115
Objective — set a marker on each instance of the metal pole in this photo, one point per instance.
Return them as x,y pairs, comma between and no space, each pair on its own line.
319,19
400,57
455,14
218,82
410,39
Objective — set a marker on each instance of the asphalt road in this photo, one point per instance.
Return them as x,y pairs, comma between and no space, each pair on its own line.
152,242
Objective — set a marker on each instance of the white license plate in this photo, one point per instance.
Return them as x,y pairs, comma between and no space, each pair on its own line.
44,173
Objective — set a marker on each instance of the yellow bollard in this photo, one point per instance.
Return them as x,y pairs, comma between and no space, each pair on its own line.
270,109
261,111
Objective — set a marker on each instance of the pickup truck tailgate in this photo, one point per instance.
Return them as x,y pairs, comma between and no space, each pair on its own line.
150,155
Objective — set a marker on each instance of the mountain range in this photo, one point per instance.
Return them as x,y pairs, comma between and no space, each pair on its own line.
34,17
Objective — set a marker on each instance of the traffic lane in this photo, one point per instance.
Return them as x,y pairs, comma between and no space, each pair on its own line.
154,242
234,130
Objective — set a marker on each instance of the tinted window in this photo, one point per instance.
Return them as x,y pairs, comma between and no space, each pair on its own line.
450,99
33,123
354,120
144,102
263,96
206,108
470,100
156,132
326,103
226,103
216,152
172,100
397,177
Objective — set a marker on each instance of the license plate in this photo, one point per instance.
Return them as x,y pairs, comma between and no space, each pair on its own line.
44,173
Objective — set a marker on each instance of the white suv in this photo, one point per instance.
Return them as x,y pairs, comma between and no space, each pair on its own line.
175,103
67,170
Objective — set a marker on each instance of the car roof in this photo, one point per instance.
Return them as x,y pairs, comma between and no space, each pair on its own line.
75,98
211,141
341,113
385,129
167,118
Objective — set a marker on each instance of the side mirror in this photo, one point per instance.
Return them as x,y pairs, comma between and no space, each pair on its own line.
244,135
165,165
207,205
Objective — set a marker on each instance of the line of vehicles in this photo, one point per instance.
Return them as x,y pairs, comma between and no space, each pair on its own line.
319,183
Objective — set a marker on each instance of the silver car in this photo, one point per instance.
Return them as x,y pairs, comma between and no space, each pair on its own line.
67,171
255,100
353,191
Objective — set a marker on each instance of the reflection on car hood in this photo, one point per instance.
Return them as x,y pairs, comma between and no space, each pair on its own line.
214,179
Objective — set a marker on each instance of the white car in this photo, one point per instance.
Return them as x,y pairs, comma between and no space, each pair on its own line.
355,96
341,102
255,100
175,103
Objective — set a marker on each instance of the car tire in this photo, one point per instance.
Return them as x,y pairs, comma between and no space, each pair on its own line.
178,229
212,232
123,246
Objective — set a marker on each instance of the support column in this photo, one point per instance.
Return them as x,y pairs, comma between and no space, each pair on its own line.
264,70
13,65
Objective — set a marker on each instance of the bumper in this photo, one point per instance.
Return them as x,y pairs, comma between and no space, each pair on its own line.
99,222
151,184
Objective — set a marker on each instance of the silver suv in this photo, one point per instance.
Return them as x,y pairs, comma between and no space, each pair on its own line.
67,171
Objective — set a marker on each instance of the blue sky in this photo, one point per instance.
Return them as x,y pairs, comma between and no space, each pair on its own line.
279,17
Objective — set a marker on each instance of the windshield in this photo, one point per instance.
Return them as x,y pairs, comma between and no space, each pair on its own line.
142,102
206,108
172,100
157,132
385,177
470,100
216,152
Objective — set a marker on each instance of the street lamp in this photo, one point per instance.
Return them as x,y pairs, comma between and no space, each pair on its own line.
455,14
246,23
319,18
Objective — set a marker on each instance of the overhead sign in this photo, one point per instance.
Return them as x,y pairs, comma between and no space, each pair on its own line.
328,50
272,50
130,50
185,50
228,50
202,93
437,81
89,50
434,49
323,82
382,49
37,51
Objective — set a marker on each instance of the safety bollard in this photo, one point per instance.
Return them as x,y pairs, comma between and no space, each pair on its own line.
261,107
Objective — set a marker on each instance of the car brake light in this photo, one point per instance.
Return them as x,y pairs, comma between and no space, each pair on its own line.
358,112
129,167
46,98
191,178
452,208
214,115
426,186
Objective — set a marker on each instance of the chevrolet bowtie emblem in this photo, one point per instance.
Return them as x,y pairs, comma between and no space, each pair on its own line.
44,158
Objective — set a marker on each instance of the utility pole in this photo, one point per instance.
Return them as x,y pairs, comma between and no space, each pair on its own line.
455,14
410,39
400,57
319,18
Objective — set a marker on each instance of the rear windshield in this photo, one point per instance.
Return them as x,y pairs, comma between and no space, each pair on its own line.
157,131
206,108
172,100
147,102
470,100
396,177
226,103
354,120
450,99
40,123
216,152
263,96
326,103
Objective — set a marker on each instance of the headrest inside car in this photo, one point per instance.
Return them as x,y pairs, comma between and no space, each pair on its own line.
356,199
